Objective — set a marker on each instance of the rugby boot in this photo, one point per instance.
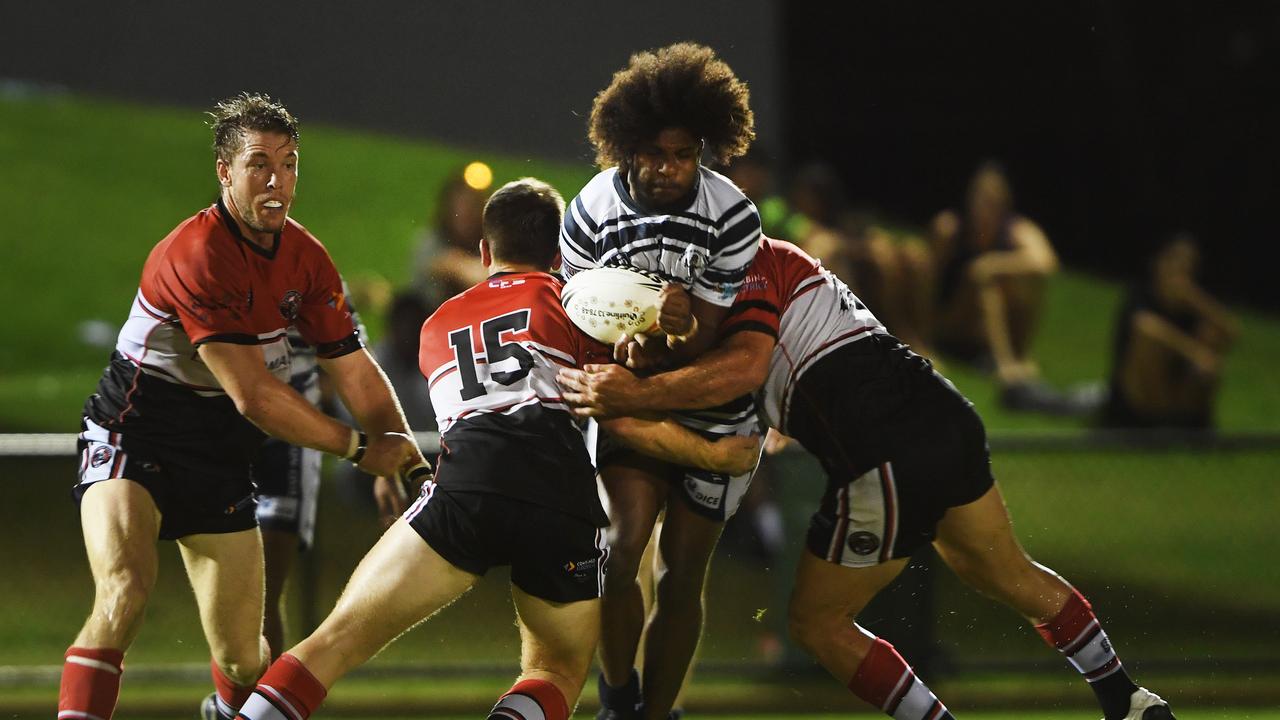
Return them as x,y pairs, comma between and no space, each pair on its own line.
209,707
1146,705
619,703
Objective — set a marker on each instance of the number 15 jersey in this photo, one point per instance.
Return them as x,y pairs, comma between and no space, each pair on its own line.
490,356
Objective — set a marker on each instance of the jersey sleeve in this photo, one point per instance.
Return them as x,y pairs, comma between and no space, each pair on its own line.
758,304
577,239
734,246
324,318
203,282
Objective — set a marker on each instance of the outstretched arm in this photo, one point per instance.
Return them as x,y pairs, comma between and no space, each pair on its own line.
738,366
668,440
281,412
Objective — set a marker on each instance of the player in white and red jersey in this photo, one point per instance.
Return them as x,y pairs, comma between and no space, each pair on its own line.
515,485
200,370
907,464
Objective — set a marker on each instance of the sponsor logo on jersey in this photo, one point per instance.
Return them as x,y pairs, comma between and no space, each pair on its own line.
581,568
863,542
101,456
290,303
694,260
755,282
706,494
503,283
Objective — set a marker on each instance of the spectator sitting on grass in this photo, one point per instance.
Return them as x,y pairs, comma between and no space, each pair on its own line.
1171,339
993,265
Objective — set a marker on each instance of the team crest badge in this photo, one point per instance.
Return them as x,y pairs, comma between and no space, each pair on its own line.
101,456
290,303
863,543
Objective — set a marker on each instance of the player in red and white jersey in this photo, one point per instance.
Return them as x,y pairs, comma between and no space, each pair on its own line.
515,485
809,311
200,371
490,356
906,462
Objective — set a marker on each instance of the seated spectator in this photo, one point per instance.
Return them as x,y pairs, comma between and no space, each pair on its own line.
1170,343
993,265
891,272
447,255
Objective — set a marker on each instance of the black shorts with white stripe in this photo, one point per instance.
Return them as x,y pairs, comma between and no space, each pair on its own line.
900,446
553,555
194,493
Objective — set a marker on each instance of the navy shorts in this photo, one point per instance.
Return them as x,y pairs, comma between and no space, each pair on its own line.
553,555
194,493
715,496
288,481
900,446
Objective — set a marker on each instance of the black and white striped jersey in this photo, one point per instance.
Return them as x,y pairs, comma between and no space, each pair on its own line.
706,247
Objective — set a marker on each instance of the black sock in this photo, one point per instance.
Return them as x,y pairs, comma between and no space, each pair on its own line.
1113,693
625,696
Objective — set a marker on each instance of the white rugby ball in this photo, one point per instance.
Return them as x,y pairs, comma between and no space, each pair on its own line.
608,302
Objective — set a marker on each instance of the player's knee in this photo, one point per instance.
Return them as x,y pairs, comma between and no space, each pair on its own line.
121,598
679,584
243,666
623,566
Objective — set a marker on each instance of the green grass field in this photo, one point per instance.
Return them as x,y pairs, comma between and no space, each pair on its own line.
1175,548
87,187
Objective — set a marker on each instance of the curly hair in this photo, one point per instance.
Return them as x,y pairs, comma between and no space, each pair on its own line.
231,118
683,85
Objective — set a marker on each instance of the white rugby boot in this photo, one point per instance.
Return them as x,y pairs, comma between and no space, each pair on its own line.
1146,705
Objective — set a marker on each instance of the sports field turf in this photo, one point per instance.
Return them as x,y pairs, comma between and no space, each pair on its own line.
1168,540
87,187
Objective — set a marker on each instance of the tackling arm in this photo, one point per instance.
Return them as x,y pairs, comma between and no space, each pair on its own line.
738,366
667,440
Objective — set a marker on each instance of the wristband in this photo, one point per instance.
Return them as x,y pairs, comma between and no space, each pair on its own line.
693,330
355,450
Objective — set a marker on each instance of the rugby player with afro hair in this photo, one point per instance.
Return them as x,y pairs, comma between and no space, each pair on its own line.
656,208
680,86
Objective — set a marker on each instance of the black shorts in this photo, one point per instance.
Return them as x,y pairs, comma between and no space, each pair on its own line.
553,555
714,496
288,480
900,446
195,494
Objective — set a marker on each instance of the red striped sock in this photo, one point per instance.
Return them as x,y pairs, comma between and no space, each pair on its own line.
230,695
1076,633
531,700
885,680
288,691
90,683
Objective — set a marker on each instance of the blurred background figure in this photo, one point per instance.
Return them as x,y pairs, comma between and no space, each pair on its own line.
397,353
993,265
754,175
891,271
447,255
1171,340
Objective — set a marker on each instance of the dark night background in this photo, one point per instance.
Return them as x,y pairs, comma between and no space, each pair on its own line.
1117,122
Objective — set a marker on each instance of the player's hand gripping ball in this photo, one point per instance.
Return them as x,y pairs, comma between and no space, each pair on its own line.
609,302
